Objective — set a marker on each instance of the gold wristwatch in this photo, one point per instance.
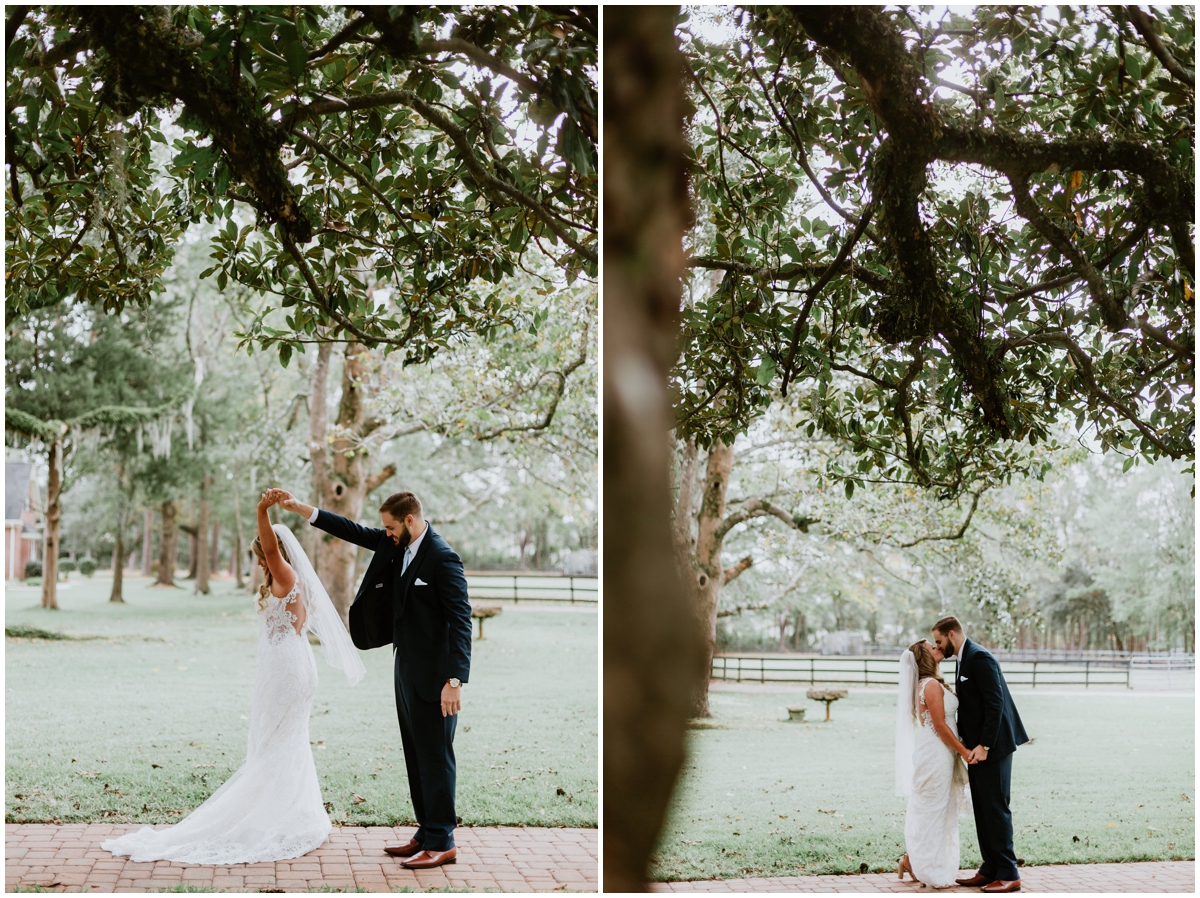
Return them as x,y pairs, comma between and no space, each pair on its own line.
454,682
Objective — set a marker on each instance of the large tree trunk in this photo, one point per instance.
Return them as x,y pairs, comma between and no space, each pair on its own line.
685,503
200,556
654,655
168,545
147,540
708,570
342,484
53,526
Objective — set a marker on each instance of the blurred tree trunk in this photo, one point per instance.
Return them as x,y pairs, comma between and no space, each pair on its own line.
168,545
118,583
200,540
341,481
124,513
654,656
214,558
190,530
53,526
237,537
147,540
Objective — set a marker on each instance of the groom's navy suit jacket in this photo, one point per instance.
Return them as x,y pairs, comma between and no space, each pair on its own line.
427,623
986,713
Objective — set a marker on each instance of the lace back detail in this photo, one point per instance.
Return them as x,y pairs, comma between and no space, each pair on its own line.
281,622
923,710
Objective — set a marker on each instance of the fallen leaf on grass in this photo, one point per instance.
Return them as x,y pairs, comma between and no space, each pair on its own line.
358,799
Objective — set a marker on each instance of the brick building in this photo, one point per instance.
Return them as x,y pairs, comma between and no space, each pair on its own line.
22,521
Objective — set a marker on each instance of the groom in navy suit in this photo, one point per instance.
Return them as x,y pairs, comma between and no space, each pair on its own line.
990,727
414,596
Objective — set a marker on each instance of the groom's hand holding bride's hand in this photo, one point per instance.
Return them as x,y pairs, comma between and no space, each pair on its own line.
978,753
291,503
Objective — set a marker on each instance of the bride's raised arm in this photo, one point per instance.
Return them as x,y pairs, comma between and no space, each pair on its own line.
282,576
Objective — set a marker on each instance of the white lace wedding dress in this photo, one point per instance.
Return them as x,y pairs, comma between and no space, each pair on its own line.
271,808
939,792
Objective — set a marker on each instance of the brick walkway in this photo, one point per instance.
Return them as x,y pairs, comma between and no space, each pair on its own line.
1148,876
498,858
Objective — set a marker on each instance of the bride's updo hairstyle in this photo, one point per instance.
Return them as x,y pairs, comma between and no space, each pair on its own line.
265,589
927,665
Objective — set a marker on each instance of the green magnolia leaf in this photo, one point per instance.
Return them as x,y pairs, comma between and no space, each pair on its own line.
297,58
766,372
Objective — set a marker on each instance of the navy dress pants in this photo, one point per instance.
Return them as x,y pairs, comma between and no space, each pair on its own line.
990,792
428,741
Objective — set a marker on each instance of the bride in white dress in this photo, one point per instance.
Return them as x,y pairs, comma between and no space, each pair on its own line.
930,768
271,808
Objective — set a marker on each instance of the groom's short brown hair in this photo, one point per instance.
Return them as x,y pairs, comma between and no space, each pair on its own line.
401,505
948,625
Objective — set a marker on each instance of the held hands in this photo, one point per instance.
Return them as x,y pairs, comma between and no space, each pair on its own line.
282,498
977,754
451,700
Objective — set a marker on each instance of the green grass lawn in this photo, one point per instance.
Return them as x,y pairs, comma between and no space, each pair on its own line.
144,723
1109,777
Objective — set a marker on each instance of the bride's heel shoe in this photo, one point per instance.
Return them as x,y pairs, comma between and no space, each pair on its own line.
904,865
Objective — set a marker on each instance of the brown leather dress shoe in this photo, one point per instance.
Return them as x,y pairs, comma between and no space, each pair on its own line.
1002,885
428,859
975,880
408,849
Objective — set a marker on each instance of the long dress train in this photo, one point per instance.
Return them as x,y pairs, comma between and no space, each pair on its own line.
271,808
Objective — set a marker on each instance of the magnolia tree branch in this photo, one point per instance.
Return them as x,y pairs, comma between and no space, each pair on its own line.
151,57
560,377
952,535
346,34
742,609
487,496
480,57
761,508
380,477
458,137
793,270
815,289
1115,316
1144,24
1087,372
1169,192
897,93
732,573
12,22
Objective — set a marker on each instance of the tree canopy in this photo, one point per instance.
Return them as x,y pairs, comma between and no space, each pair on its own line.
393,164
954,228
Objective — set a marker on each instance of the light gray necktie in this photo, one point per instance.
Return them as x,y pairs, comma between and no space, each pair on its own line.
407,559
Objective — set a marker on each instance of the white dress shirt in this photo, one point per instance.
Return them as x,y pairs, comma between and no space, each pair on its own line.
411,551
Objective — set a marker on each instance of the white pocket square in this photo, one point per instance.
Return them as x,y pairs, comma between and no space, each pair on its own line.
420,582
963,679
